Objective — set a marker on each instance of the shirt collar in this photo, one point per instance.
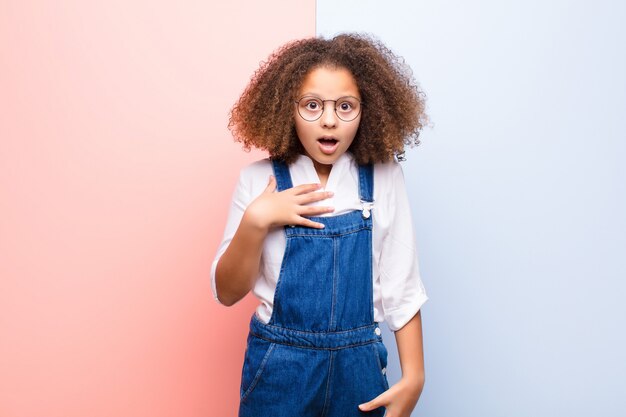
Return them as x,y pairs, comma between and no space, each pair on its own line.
336,172
344,159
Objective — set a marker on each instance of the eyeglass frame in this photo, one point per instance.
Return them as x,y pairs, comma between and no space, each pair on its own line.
324,108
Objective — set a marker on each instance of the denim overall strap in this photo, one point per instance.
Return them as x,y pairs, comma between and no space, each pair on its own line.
366,183
283,177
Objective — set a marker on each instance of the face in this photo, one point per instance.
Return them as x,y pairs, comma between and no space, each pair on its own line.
327,138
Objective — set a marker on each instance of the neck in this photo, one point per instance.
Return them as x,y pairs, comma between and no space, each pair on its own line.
323,171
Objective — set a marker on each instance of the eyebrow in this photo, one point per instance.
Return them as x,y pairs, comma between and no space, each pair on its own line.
318,96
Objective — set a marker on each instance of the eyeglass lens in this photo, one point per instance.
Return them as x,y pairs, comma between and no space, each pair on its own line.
311,108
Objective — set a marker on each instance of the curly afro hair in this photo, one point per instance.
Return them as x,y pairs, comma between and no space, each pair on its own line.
393,105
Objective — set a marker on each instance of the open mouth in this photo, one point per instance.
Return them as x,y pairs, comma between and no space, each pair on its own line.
327,142
328,145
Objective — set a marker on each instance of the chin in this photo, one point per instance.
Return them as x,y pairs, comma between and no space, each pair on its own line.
327,159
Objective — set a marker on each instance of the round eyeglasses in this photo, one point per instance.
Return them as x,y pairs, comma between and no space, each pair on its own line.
311,108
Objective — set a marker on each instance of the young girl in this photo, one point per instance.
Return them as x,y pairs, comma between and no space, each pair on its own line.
321,232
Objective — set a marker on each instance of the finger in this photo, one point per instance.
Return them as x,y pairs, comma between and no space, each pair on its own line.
305,188
379,401
303,221
271,185
314,210
313,197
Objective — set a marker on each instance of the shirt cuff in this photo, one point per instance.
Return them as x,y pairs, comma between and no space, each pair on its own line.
397,318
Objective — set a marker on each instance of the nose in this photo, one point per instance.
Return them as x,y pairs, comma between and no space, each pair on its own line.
329,117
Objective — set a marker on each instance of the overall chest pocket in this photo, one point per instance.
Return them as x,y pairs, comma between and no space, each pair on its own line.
258,352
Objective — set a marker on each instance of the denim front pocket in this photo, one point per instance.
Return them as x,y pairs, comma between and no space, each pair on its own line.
257,354
381,356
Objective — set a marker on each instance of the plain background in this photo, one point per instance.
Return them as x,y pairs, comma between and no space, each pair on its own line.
518,198
116,171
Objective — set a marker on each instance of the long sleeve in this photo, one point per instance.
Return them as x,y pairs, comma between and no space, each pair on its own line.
239,202
403,292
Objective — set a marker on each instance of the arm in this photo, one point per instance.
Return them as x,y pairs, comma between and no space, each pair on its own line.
239,264
401,398
402,296
235,274
411,352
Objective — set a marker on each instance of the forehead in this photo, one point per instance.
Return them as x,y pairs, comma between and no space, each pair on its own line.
329,83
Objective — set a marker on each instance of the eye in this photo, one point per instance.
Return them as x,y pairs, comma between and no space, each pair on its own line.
344,106
347,105
311,104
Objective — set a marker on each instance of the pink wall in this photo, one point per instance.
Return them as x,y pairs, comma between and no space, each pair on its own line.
116,169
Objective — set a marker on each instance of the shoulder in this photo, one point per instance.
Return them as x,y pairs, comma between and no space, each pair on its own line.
254,177
389,184
386,173
257,167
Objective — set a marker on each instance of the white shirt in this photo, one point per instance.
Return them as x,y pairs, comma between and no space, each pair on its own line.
398,289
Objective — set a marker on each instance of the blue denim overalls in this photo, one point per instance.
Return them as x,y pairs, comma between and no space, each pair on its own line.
321,354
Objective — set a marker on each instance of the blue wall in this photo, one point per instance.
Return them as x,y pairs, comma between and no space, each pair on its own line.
518,194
